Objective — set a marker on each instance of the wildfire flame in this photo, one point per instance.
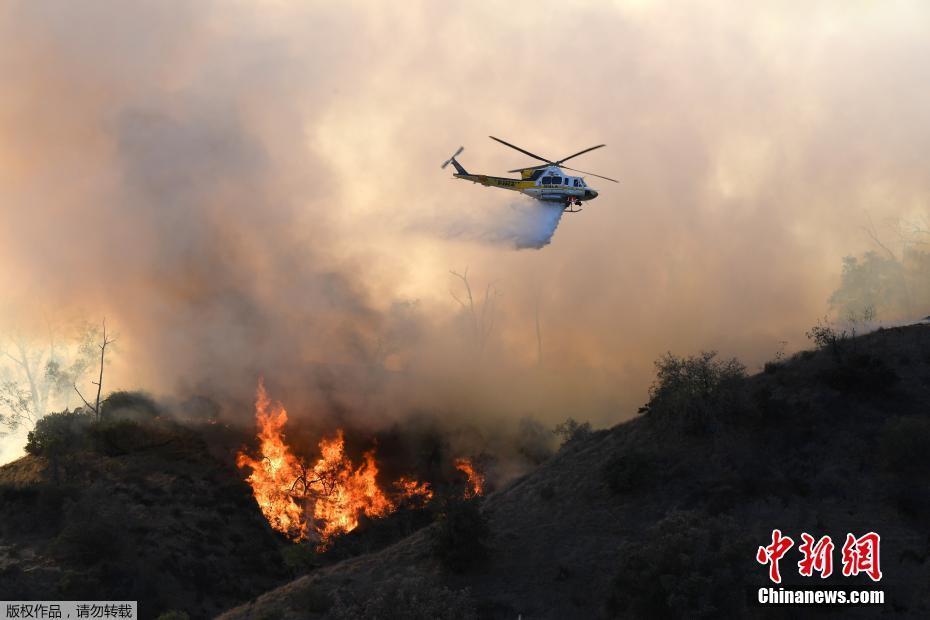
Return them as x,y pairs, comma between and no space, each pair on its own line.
413,490
274,473
340,493
475,478
320,501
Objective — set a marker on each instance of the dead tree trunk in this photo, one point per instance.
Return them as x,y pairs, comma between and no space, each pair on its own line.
99,382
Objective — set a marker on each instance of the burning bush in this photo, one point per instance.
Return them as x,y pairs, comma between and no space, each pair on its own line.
475,479
331,496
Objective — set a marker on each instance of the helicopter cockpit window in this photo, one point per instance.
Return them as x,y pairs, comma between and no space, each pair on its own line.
577,183
547,180
556,180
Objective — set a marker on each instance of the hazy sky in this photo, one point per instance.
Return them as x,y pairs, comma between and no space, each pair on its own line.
247,188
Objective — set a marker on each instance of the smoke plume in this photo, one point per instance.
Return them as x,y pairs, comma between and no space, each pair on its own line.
253,189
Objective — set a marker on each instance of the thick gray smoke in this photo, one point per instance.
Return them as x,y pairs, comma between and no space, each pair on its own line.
243,189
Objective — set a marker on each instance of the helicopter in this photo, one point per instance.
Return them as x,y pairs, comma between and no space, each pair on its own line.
545,182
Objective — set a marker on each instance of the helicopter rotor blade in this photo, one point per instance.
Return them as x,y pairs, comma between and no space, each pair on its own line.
591,173
517,148
539,167
580,153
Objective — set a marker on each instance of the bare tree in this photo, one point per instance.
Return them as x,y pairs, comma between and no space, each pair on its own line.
105,340
480,314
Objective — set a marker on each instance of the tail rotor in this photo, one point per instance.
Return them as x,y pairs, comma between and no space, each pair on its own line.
452,159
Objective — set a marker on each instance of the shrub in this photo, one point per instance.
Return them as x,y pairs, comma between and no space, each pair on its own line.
34,507
631,471
461,535
129,406
314,599
826,338
547,491
571,430
90,539
57,437
860,373
692,392
58,433
199,409
300,558
688,565
121,436
174,614
534,441
413,598
904,445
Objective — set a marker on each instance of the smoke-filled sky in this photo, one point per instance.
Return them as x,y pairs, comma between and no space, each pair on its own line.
249,188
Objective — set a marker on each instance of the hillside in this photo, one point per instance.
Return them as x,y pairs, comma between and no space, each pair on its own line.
661,516
145,513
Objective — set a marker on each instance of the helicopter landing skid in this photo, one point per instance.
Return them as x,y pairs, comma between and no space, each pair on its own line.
570,204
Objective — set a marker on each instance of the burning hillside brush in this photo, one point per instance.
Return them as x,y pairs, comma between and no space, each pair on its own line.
317,502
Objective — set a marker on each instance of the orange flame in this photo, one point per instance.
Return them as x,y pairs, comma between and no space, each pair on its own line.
333,491
274,473
341,493
475,478
412,490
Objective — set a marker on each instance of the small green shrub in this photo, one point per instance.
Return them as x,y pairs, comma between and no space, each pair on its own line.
860,373
689,565
826,338
904,445
174,614
631,471
129,406
694,392
571,431
460,540
534,441
313,599
34,507
413,599
300,558
58,434
58,437
547,491
89,539
120,436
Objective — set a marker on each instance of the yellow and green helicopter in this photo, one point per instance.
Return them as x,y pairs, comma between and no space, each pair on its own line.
546,182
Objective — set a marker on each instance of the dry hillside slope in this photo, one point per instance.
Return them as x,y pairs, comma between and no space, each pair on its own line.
661,516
